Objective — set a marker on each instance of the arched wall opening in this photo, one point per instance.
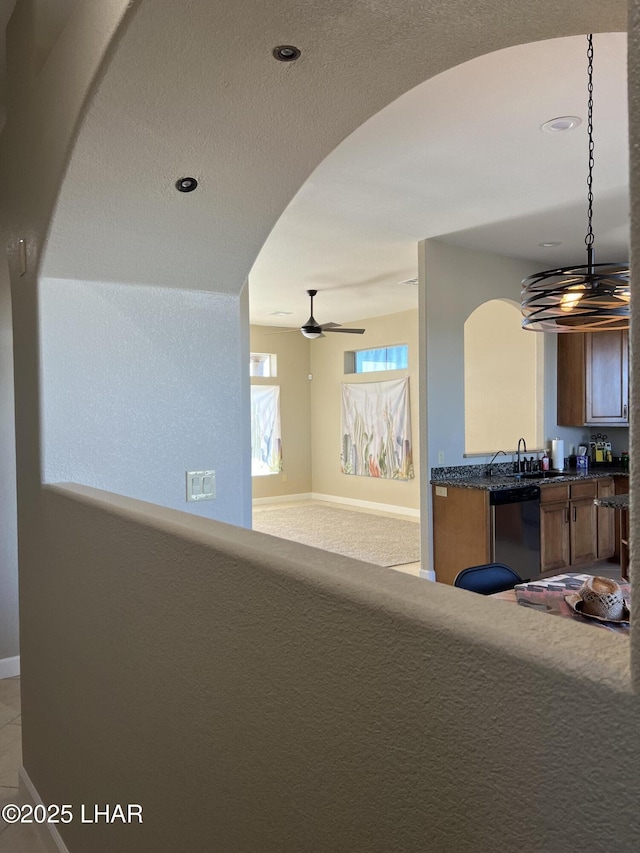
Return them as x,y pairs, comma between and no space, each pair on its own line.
182,252
503,380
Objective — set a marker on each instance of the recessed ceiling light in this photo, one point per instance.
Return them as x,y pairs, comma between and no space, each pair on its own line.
550,244
186,185
286,53
557,125
280,313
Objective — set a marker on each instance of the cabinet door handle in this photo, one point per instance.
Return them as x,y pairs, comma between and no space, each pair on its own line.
566,515
575,513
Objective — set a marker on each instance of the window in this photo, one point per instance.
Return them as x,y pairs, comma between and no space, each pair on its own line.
263,364
382,358
266,441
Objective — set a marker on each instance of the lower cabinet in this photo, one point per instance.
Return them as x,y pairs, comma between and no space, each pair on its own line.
573,530
621,487
461,530
606,520
568,525
555,547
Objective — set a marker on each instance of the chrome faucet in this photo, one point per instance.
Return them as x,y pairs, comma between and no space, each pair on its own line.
497,453
524,445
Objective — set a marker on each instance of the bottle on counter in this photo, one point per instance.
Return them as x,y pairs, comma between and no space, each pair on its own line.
544,462
624,460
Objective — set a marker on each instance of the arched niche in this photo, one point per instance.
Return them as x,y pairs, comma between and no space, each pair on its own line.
503,380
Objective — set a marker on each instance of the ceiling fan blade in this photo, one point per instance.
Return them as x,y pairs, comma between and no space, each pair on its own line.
347,331
329,325
280,332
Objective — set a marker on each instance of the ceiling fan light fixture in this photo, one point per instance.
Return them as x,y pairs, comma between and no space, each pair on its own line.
584,298
312,329
311,332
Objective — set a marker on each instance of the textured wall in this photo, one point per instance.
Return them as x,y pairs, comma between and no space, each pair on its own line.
298,702
141,384
255,696
8,520
634,334
43,119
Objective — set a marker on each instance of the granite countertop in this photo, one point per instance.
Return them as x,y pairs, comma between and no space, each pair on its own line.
501,480
613,502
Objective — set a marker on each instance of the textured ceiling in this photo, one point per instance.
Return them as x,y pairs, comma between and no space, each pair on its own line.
460,157
459,153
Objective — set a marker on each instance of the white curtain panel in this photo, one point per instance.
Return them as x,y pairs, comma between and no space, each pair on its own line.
376,430
266,439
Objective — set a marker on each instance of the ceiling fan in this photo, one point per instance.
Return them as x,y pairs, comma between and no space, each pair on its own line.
312,329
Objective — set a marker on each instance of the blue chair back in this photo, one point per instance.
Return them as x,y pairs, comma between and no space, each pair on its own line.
487,579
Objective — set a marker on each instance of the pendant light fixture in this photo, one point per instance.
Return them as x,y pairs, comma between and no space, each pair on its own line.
589,298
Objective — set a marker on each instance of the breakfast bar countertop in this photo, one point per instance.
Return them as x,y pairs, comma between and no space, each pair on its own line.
613,502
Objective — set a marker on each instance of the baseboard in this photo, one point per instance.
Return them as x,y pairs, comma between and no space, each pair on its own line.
427,574
282,499
47,832
9,667
397,510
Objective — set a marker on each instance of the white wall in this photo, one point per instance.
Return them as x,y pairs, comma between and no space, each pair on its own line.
141,384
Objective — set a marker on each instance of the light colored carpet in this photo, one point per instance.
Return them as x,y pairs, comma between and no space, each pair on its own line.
377,539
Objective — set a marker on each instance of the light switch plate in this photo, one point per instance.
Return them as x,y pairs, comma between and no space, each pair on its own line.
201,485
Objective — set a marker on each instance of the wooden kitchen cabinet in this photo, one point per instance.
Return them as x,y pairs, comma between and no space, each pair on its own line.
621,486
568,530
606,520
593,378
555,548
573,531
461,530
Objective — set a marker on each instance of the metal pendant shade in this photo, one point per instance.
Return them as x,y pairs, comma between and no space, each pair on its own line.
583,298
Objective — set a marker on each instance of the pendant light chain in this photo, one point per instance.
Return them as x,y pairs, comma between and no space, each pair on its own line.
589,238
582,298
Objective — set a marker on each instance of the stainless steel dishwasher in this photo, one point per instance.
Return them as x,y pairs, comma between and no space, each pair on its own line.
515,529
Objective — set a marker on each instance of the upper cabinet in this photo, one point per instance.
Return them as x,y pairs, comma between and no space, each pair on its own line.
593,379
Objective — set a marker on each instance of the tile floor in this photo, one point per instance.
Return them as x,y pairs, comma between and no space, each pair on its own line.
15,838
